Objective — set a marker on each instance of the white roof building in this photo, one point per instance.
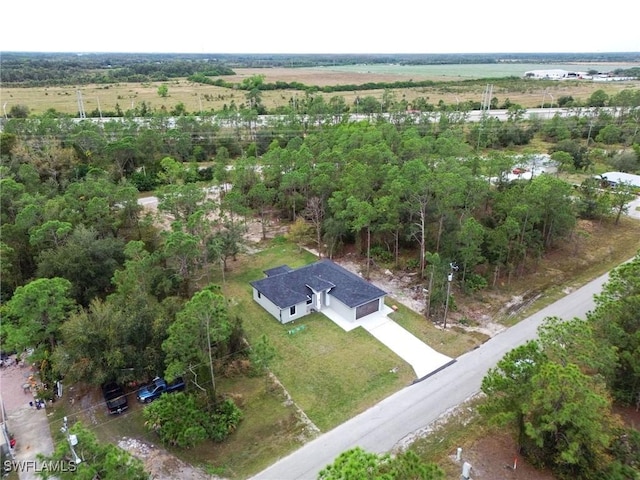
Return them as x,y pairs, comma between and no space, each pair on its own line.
620,177
555,74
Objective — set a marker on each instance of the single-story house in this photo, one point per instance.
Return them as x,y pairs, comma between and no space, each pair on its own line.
289,294
620,177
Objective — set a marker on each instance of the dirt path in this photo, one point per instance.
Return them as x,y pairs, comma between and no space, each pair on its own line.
404,288
28,425
161,464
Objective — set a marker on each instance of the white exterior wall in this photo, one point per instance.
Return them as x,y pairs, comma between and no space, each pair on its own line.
267,304
301,311
273,309
345,312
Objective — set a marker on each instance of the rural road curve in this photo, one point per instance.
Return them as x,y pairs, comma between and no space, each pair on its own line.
634,208
415,407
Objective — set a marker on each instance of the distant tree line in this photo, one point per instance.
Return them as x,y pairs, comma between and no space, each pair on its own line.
26,69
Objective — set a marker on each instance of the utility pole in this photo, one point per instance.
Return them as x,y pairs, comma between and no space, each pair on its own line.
81,111
486,106
72,439
453,268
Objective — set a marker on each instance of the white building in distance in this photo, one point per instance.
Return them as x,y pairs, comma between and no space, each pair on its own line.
556,74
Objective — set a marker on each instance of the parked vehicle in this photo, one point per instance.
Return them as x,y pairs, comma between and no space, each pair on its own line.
157,387
114,397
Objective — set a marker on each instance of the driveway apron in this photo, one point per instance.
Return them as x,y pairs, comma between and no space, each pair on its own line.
423,359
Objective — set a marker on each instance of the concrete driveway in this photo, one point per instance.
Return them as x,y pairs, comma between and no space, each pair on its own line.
423,359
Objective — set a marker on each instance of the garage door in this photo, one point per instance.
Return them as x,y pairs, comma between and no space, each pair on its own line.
367,308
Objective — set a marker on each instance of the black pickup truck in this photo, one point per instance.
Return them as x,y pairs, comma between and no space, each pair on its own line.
157,387
114,397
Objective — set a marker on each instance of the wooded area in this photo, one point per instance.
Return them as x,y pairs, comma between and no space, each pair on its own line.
102,289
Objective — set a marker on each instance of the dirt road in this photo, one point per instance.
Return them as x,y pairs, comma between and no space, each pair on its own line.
29,425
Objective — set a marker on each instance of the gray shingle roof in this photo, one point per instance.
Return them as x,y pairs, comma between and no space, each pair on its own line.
277,270
286,287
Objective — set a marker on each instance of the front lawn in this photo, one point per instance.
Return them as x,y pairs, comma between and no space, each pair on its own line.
452,342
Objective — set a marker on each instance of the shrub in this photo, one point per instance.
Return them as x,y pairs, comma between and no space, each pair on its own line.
180,420
381,254
224,421
474,282
177,420
413,264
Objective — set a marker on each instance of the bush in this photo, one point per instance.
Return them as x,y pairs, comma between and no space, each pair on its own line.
413,264
179,420
381,254
144,183
224,421
474,282
625,161
176,419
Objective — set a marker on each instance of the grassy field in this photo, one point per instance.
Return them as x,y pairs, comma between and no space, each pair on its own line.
465,71
197,97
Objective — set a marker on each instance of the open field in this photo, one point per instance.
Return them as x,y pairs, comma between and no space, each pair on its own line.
207,98
471,71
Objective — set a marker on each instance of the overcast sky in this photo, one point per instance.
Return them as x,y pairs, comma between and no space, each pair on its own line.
325,26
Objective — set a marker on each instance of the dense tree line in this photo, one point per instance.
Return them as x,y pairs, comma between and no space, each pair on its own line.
300,175
31,69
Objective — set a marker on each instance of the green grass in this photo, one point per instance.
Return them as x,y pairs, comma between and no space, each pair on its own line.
495,70
270,428
90,410
330,374
451,342
333,374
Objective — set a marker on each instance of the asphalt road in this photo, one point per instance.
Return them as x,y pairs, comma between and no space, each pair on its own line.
634,208
386,424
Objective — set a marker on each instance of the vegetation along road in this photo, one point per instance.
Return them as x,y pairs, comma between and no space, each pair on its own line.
386,424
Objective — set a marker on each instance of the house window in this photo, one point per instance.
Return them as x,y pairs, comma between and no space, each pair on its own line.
292,310
309,301
259,295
